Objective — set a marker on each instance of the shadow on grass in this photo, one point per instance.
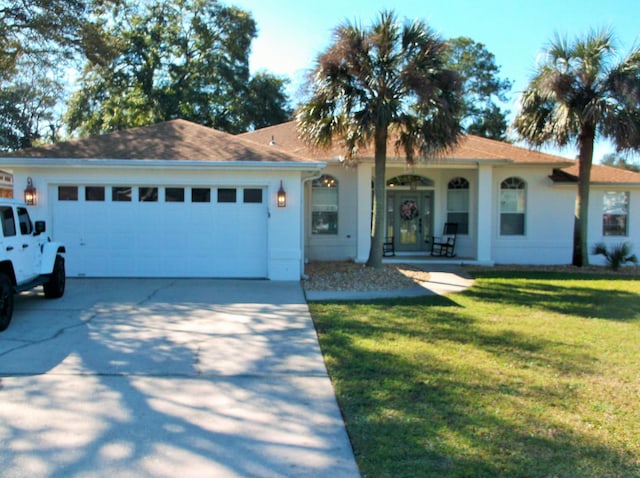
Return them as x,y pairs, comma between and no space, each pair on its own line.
417,402
582,295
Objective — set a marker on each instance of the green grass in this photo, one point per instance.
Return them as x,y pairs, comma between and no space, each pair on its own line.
523,375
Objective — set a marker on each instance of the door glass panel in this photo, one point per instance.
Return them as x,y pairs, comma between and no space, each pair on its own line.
409,221
390,213
426,217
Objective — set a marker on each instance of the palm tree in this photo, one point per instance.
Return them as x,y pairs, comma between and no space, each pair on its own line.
387,81
581,91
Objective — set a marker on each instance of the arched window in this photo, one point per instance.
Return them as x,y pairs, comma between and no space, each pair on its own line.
458,204
324,205
512,207
411,180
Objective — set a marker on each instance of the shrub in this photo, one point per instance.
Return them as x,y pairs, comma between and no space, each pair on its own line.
617,255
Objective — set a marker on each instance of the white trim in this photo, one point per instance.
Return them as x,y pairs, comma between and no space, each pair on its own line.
161,164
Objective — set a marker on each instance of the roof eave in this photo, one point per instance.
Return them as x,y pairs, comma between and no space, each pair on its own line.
160,164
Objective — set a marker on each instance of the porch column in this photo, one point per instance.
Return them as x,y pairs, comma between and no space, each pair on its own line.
363,207
485,214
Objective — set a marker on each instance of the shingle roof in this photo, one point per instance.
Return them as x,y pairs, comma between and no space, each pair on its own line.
170,140
285,137
601,174
475,148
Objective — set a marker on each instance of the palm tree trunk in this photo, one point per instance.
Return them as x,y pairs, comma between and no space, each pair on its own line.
379,199
580,230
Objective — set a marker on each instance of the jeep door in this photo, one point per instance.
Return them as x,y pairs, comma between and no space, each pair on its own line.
31,253
16,247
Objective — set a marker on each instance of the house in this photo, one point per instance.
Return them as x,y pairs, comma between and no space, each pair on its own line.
512,205
170,200
177,199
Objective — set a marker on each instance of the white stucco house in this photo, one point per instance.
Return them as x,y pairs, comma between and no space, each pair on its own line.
181,200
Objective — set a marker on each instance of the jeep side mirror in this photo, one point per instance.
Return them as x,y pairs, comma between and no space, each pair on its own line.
40,227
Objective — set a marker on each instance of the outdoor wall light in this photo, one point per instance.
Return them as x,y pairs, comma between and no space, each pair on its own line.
30,193
281,196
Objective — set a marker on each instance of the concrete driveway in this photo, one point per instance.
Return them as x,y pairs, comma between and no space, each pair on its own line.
168,378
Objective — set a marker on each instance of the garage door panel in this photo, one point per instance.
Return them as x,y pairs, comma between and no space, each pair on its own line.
162,239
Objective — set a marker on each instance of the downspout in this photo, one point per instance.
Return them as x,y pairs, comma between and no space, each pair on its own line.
317,175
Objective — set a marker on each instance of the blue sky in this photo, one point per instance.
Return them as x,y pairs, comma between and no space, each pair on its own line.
291,33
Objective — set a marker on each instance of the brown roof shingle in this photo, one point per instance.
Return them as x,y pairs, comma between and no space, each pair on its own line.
285,137
170,140
601,174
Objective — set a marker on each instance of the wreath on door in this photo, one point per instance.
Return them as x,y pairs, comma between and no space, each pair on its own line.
409,210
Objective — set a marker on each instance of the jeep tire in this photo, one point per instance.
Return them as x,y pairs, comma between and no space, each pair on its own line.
6,302
54,287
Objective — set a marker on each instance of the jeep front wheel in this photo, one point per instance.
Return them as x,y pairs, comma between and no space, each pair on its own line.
54,287
6,302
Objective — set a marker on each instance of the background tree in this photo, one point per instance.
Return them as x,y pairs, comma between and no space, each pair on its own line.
581,91
388,80
39,40
173,59
27,107
622,161
482,88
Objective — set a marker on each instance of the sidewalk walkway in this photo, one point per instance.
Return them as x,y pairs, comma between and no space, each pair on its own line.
443,280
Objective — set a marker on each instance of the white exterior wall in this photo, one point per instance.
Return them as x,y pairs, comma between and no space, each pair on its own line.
283,247
549,213
596,203
343,245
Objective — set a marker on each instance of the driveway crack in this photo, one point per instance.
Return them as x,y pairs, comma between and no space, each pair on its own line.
30,343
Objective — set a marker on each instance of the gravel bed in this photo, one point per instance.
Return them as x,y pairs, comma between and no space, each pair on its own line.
349,276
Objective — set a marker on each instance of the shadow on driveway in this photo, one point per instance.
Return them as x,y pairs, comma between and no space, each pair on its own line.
163,377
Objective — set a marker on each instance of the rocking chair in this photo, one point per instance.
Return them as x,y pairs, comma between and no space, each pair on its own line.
445,245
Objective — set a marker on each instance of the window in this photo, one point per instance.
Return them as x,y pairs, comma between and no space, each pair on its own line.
174,194
8,222
458,204
615,212
121,193
67,193
324,205
411,180
94,193
147,194
201,195
512,207
251,195
26,227
226,195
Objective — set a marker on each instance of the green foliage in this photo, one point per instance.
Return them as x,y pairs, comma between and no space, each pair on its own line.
387,81
621,161
38,40
522,375
583,90
163,60
617,255
38,27
27,105
482,88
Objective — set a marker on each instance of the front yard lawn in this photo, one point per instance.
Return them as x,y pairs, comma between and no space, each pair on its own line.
523,375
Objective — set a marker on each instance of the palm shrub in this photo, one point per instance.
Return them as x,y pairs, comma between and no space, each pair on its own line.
617,256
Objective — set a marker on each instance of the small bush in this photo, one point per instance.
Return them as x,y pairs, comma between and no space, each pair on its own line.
617,256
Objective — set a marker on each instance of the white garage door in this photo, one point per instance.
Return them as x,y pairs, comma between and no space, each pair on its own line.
131,231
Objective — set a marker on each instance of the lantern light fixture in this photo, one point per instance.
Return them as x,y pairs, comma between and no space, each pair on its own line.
30,193
281,196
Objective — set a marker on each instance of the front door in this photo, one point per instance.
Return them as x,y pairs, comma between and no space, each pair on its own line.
410,220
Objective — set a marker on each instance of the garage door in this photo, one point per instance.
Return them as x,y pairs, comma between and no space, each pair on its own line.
136,231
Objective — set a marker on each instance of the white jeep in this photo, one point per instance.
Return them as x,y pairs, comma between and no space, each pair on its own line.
28,258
